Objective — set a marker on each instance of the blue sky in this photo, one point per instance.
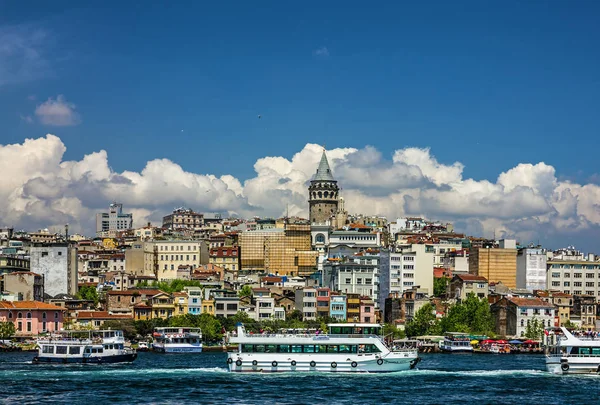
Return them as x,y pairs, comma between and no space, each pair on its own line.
487,84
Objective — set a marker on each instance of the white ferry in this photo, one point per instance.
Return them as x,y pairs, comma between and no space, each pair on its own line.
456,342
101,346
349,347
177,340
567,354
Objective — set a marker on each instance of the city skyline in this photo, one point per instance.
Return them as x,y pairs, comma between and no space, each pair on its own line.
483,115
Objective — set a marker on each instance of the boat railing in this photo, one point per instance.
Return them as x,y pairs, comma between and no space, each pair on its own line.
65,341
321,336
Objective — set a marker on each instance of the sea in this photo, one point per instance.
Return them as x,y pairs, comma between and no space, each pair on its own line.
203,379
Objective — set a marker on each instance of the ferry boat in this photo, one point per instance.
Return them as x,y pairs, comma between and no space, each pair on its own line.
177,340
101,346
349,347
456,342
568,354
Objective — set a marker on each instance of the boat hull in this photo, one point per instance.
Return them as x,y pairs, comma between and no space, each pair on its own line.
573,365
120,358
342,364
177,349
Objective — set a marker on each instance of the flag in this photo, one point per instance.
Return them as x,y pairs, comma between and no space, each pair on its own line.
546,332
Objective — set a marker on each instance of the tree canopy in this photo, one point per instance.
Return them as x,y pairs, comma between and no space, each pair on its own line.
440,284
473,315
88,292
424,322
7,330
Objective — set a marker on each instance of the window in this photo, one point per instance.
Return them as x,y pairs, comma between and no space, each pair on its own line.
556,284
220,307
556,275
566,284
44,254
589,275
348,280
577,275
232,307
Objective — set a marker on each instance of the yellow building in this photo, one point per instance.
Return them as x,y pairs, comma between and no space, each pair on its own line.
163,258
495,265
278,251
353,307
162,306
181,303
208,306
142,312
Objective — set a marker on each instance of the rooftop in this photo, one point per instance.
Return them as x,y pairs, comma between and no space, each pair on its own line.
29,305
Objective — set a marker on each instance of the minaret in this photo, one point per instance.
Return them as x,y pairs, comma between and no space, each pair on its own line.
322,194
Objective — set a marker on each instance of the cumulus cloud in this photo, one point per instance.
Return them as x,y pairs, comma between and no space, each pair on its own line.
59,112
528,202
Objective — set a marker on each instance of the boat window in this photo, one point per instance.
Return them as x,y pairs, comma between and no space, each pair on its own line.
259,348
332,348
584,350
271,349
345,349
88,350
284,348
596,351
48,349
309,348
247,348
368,349
321,348
296,348
74,349
61,349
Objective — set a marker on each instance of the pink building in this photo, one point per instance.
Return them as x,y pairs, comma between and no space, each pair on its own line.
367,310
32,317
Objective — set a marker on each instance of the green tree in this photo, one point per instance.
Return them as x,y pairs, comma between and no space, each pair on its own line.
534,329
7,330
391,331
88,292
245,291
424,322
440,285
473,315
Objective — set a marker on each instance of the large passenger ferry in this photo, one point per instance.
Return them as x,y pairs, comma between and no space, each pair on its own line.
567,354
348,347
101,346
177,340
456,342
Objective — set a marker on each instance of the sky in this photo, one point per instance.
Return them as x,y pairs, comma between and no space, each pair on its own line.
484,114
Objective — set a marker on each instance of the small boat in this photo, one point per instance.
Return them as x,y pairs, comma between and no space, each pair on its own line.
177,340
568,354
142,347
456,342
100,347
348,347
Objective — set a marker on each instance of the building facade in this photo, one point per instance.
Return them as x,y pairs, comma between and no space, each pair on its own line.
183,218
32,317
575,277
27,286
57,263
531,268
114,220
495,264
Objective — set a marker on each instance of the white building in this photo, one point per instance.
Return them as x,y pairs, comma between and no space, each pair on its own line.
165,257
531,268
411,266
344,243
306,302
58,264
354,277
113,221
529,309
575,277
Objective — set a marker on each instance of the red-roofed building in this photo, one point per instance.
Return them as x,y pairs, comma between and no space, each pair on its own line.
226,257
462,285
122,302
513,314
32,317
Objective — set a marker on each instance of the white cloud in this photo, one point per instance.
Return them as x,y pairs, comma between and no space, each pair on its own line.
322,52
57,112
40,189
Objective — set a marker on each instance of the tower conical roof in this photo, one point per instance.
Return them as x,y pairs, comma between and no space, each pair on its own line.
324,171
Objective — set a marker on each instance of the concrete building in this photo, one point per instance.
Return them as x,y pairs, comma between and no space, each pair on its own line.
367,310
574,276
284,252
495,264
14,262
344,243
462,285
306,302
163,258
410,266
57,263
512,315
323,297
531,268
27,286
584,311
183,218
456,262
352,278
122,302
108,223
561,301
227,303
337,307
227,257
